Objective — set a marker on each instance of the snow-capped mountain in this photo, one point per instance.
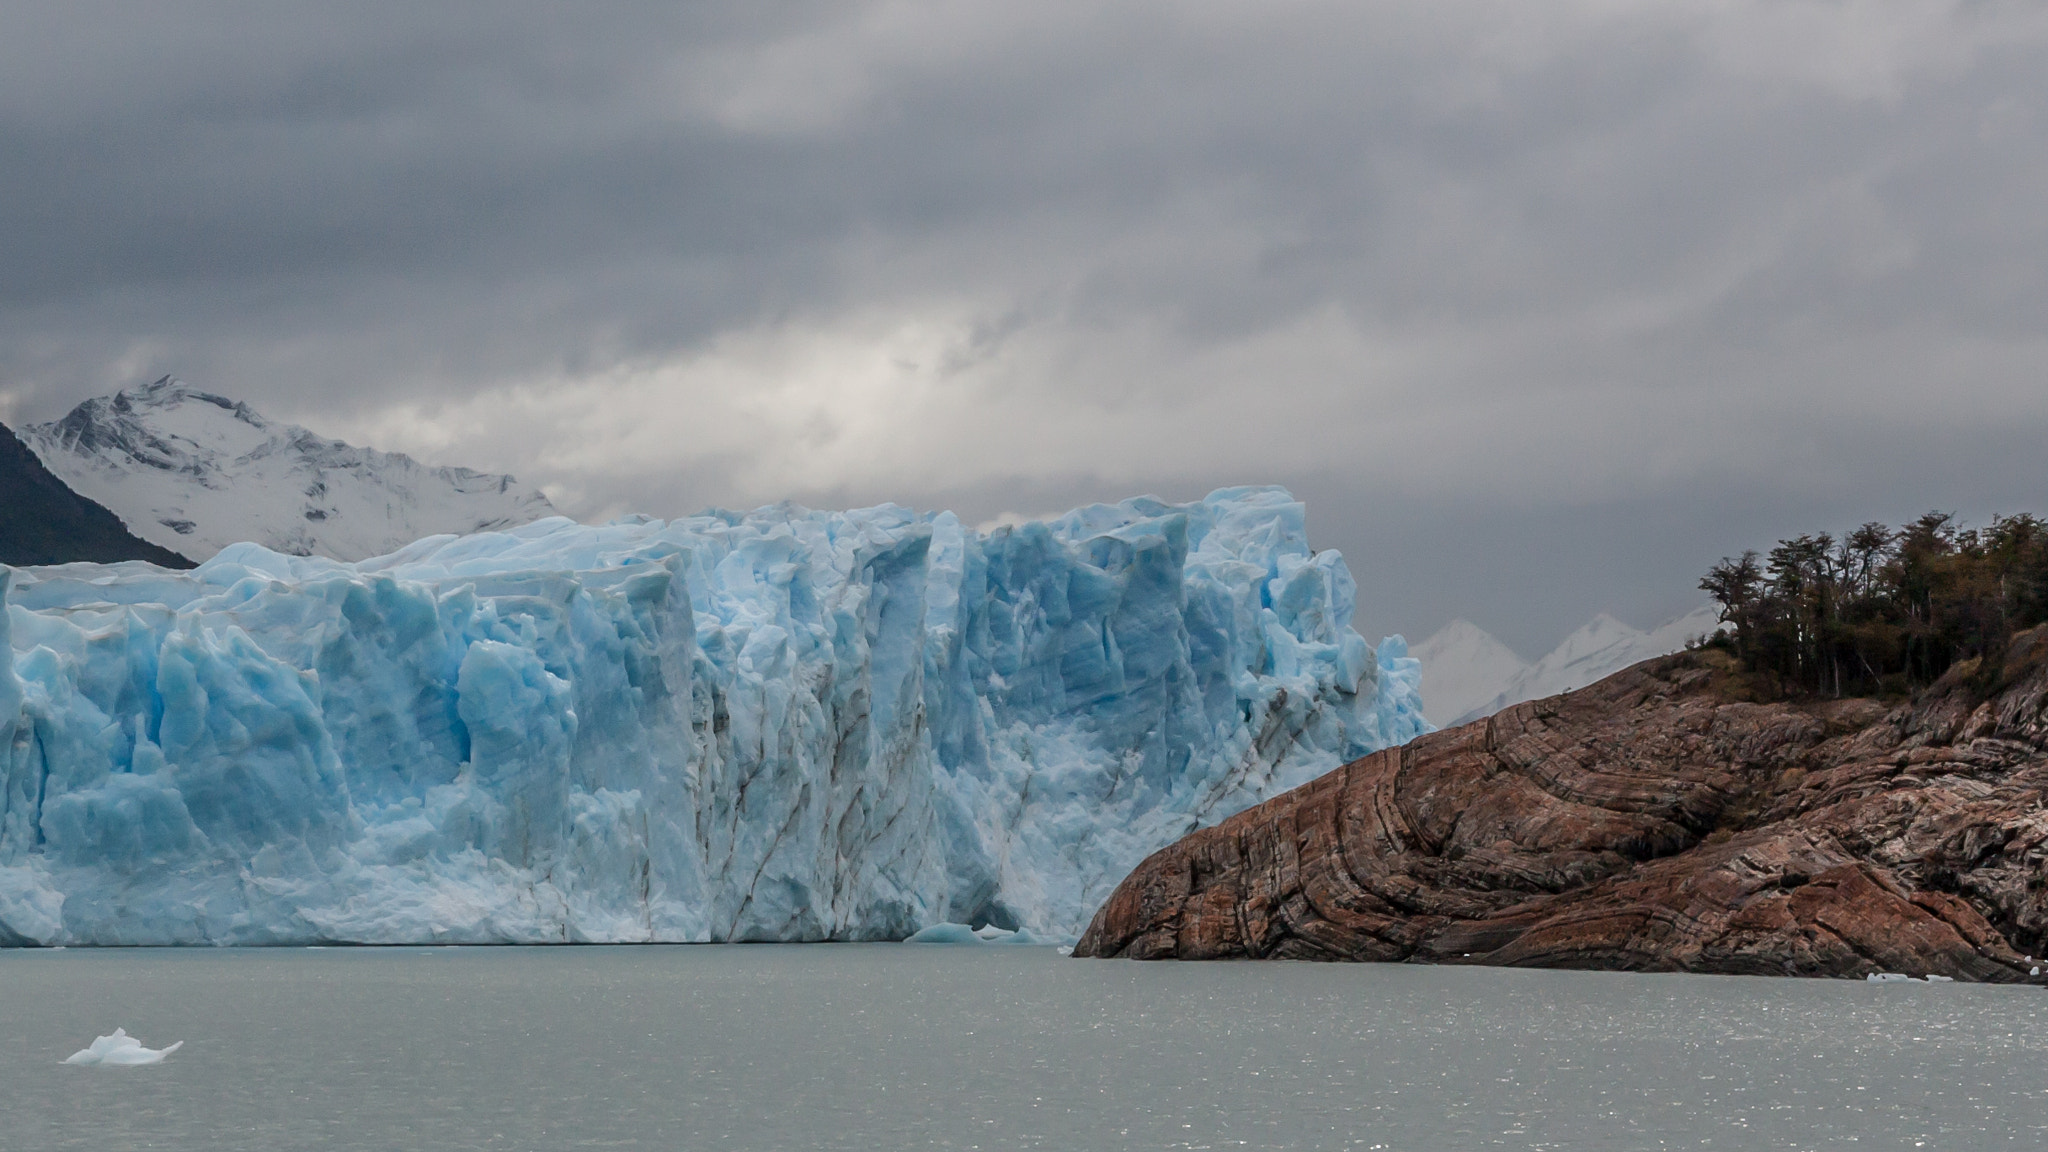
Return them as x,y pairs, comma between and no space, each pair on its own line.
1463,667
195,472
1467,674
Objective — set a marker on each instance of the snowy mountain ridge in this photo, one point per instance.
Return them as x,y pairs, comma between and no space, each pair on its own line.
195,472
1467,674
1463,667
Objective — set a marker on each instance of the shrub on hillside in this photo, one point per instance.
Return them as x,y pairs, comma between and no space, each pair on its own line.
1881,610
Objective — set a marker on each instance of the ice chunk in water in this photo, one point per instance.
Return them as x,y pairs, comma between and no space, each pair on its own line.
120,1050
1887,977
962,934
944,934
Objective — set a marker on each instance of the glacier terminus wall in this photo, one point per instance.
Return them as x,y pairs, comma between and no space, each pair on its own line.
777,725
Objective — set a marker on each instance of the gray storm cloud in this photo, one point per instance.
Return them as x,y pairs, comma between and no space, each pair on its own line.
1543,307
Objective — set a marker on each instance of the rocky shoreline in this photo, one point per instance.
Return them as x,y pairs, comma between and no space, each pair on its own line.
1660,820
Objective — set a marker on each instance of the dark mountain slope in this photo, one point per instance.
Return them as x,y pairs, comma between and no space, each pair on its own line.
42,521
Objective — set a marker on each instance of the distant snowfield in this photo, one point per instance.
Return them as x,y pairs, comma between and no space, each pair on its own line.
1467,674
195,472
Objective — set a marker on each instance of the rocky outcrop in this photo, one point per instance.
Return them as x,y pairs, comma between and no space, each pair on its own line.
1656,821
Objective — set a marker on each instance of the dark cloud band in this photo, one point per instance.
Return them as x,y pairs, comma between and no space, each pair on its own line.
1569,300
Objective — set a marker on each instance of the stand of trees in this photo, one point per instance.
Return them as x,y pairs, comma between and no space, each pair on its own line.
1881,610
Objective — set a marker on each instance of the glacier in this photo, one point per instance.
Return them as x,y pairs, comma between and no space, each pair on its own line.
778,725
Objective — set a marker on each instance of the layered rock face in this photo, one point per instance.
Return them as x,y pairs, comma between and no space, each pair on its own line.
1654,821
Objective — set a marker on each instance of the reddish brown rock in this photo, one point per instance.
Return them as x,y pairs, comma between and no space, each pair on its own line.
1655,821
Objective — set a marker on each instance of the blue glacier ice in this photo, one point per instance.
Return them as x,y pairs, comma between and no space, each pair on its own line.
776,725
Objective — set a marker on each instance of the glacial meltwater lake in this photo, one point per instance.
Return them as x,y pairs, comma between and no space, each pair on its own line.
893,1047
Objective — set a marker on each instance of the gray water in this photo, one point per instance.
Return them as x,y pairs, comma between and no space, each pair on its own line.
892,1047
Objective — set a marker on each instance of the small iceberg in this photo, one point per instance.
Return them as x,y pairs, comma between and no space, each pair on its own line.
943,934
120,1050
963,934
1887,977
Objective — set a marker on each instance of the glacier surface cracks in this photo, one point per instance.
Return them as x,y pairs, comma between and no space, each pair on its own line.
777,725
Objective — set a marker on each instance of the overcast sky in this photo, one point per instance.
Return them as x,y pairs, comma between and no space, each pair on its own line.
1542,307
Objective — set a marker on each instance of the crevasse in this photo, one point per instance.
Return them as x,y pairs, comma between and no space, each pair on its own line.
778,725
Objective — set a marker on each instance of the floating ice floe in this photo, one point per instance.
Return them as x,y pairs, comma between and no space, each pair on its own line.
120,1050
963,934
1887,977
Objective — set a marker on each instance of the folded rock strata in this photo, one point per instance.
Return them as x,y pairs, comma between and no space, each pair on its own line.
1655,821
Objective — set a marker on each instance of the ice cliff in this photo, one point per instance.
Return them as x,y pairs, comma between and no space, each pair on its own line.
779,725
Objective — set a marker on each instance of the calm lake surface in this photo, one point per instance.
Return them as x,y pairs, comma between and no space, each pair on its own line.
889,1047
